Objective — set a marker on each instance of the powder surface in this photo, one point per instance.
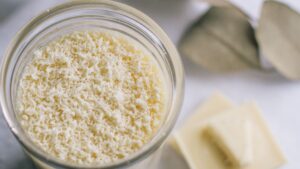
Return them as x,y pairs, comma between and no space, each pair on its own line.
91,97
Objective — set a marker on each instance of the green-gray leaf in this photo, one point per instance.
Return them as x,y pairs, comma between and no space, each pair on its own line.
278,35
222,41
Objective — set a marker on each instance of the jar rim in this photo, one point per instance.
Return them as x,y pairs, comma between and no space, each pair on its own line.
142,18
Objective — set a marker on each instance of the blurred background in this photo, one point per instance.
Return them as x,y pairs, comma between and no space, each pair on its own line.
278,97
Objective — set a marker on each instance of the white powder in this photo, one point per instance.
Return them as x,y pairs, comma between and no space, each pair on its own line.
91,97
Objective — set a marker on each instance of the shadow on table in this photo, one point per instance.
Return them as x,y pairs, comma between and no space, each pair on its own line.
7,7
24,163
170,159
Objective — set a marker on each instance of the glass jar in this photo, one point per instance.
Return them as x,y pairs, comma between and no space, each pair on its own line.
85,15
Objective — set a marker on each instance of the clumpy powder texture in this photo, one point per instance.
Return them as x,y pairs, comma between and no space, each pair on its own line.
91,97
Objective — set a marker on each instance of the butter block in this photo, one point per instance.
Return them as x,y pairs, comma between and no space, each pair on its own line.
196,150
266,152
260,152
232,133
213,105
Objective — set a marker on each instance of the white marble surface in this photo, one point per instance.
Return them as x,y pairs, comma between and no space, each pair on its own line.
278,97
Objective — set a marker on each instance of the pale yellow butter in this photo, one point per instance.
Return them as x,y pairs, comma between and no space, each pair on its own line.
232,133
246,142
197,151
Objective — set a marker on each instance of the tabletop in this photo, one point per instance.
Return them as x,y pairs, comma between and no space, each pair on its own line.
278,97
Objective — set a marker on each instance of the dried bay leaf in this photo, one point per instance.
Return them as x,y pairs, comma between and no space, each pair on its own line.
222,41
278,35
